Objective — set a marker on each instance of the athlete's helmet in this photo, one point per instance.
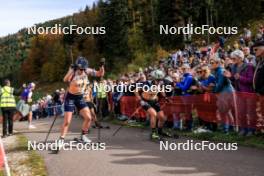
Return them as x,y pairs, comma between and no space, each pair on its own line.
81,62
157,74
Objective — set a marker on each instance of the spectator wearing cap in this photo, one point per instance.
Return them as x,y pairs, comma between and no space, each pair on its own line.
258,81
242,76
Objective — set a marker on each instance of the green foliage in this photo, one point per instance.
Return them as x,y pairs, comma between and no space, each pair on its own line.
47,72
132,38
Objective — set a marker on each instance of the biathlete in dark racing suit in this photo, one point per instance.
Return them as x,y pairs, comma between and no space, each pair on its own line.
149,102
88,97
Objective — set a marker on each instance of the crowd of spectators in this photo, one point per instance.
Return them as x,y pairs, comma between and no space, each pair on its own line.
49,105
198,68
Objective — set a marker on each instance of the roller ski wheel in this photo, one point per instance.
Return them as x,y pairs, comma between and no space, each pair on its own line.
59,146
155,137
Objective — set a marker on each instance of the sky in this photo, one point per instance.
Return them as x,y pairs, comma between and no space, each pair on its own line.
17,14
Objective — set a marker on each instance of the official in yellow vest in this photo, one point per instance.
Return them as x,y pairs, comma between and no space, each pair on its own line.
102,99
8,106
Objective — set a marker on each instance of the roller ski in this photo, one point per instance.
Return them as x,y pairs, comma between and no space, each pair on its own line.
101,127
168,134
59,146
98,125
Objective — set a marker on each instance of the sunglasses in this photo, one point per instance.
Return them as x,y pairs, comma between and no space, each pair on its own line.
255,49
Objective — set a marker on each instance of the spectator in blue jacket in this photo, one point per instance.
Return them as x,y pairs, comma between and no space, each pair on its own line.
185,85
187,80
225,90
207,83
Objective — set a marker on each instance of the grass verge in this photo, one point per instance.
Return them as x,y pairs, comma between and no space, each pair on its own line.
34,161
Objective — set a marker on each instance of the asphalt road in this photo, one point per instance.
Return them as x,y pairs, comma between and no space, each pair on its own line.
130,153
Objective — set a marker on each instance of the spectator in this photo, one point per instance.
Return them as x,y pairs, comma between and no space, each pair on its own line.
185,87
249,58
35,108
187,80
247,35
57,102
225,99
242,74
207,83
258,82
8,106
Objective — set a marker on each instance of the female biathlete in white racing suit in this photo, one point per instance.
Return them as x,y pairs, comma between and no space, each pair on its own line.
77,77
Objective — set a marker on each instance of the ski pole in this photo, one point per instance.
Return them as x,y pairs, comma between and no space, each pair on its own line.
126,121
51,128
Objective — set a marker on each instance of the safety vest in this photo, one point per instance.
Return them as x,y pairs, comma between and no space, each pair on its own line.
101,93
7,97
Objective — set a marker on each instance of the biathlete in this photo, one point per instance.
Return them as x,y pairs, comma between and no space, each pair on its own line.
77,77
89,99
148,97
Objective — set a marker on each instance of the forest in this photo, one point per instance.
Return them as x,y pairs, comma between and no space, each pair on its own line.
132,38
